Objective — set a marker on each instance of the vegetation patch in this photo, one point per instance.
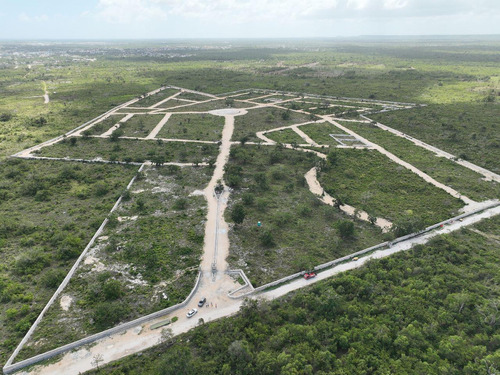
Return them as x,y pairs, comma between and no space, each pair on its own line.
139,125
264,119
464,180
297,231
201,127
369,181
153,99
146,260
285,136
131,150
467,130
49,211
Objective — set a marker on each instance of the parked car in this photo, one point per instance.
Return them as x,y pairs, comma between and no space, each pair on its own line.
309,275
202,302
191,313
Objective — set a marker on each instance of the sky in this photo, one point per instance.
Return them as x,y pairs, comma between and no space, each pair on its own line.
163,19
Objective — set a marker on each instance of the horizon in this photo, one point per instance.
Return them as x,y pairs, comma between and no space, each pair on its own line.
262,19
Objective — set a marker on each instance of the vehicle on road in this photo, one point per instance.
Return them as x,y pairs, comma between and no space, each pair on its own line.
309,275
191,313
202,302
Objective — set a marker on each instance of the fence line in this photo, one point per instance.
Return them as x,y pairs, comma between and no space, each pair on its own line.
370,249
87,340
68,277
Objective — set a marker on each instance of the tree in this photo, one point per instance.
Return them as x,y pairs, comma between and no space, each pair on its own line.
238,213
166,336
346,229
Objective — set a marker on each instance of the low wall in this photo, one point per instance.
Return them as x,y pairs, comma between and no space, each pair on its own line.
98,336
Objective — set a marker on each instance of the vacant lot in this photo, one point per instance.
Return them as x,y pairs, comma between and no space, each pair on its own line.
146,260
370,181
132,150
139,125
298,231
202,127
265,119
462,179
48,213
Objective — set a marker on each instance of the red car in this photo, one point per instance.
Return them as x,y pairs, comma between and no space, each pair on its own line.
309,275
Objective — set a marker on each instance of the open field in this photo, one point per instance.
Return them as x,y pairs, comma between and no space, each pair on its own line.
139,125
201,127
265,119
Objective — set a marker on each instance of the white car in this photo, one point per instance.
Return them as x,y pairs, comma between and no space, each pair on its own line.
191,313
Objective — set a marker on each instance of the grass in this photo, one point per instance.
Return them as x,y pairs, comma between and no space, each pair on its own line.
264,119
140,125
465,181
370,181
269,182
49,211
210,106
285,136
132,150
320,133
202,127
153,99
103,126
147,258
468,130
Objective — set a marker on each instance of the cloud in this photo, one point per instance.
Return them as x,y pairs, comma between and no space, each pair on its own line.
127,11
23,17
241,11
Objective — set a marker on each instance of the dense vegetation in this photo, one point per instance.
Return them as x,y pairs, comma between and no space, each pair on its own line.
48,213
430,310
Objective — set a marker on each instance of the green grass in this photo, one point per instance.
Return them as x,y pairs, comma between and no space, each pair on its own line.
285,136
465,181
303,229
49,211
132,150
153,99
140,125
264,119
156,254
202,127
370,181
320,133
210,106
103,126
467,130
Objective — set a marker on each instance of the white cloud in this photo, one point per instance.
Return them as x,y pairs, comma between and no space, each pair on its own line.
241,11
26,18
126,11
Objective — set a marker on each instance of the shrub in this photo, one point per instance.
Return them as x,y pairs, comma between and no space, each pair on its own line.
267,239
112,290
346,229
52,278
238,213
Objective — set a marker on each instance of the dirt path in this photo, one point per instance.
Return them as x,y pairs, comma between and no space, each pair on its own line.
158,127
46,93
408,166
317,189
489,176
142,337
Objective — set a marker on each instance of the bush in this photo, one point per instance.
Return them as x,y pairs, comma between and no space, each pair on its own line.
267,239
238,213
52,278
107,314
346,229
112,290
